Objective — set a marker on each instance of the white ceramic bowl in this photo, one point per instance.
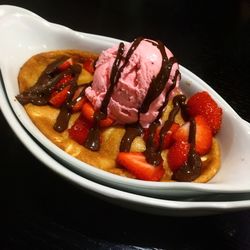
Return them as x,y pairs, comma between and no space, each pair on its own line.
215,204
25,34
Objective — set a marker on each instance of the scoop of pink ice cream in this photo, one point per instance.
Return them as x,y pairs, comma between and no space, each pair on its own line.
131,88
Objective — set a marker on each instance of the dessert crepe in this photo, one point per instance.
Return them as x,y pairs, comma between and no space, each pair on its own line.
44,116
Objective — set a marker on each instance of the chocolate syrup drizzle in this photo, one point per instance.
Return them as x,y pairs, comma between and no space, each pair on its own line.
40,93
192,167
93,140
157,85
153,152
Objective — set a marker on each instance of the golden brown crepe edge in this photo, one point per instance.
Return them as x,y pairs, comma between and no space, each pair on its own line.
28,73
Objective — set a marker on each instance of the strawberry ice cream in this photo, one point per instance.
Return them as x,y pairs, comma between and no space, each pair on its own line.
131,89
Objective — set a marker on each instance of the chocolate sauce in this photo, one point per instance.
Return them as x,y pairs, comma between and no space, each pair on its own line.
156,87
132,131
158,83
152,152
93,139
114,77
40,93
178,101
192,168
52,68
62,119
66,109
81,94
116,71
172,86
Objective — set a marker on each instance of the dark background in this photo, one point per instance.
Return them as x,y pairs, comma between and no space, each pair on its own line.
39,210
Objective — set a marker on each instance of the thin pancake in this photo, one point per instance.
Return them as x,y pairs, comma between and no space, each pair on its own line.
44,118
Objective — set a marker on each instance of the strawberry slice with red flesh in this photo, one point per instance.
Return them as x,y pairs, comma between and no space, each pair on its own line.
62,82
88,112
136,164
58,98
78,99
186,165
203,104
167,138
203,136
78,105
80,129
178,155
89,65
65,65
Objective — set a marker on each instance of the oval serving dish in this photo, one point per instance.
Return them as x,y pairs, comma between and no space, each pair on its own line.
26,34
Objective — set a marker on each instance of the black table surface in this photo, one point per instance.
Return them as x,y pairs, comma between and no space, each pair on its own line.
40,210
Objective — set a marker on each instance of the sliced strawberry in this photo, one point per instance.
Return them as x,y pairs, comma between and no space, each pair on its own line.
182,133
107,122
203,136
58,98
168,137
63,81
78,105
89,65
178,154
80,129
136,163
88,112
78,92
78,100
203,104
65,65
